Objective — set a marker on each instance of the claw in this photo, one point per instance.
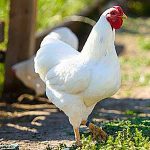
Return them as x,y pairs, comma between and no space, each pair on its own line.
78,143
98,133
101,135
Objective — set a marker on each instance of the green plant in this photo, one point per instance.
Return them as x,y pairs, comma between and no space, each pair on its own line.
49,13
132,134
132,70
130,112
55,11
144,43
4,15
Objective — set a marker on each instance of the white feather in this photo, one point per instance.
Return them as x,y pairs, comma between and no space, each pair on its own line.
25,70
75,82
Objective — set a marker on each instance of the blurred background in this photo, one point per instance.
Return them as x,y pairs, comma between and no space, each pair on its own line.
134,35
132,44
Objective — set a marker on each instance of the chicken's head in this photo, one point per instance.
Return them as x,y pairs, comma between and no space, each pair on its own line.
115,16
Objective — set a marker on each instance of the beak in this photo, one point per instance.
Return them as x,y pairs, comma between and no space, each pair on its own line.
124,16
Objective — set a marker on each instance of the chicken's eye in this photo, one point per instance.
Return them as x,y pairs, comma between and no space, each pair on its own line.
113,13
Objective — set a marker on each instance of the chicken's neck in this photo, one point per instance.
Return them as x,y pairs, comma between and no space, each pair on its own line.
100,41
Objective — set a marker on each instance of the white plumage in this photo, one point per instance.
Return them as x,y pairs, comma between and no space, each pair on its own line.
76,81
25,70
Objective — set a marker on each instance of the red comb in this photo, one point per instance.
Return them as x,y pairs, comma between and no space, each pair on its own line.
119,9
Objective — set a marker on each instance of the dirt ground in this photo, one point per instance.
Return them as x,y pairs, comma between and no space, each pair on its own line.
35,125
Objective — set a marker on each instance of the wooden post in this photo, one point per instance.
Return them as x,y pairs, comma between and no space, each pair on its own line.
1,31
21,39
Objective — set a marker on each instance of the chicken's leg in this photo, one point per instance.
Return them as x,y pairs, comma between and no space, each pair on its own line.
77,136
96,131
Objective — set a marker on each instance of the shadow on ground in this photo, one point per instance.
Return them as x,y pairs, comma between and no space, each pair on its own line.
43,122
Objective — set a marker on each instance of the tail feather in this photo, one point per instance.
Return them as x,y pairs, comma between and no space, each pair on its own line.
25,70
63,34
59,45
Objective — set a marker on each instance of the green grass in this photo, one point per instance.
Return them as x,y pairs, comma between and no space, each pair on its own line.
134,73
138,25
135,65
132,112
144,43
131,134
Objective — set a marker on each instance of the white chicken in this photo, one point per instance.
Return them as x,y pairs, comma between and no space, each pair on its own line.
25,70
76,81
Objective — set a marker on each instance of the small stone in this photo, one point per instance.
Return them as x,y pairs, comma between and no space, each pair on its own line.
66,149
9,147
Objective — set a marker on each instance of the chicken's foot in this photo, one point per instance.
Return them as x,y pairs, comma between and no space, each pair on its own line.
96,131
77,136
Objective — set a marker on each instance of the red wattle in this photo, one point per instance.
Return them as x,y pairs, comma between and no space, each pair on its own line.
116,23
